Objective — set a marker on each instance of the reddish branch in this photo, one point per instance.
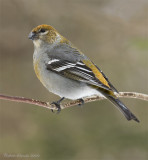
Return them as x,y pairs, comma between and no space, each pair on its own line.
71,103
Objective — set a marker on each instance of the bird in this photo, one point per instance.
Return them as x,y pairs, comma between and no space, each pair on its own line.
65,71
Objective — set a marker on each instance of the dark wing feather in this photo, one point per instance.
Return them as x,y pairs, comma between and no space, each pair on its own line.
111,86
77,71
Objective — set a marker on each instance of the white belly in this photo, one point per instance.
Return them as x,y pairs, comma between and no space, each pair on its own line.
67,88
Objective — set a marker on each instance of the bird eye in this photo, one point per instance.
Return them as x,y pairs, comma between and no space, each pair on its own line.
42,30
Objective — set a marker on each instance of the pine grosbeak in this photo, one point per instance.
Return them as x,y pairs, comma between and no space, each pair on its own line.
65,71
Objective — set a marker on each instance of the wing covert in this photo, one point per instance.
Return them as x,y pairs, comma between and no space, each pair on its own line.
78,71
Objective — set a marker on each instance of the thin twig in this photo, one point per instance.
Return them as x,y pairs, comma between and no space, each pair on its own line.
71,103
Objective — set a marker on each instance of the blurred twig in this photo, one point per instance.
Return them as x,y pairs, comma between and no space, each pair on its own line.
71,103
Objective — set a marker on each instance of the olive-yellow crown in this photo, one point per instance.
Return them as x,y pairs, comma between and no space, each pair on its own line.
45,33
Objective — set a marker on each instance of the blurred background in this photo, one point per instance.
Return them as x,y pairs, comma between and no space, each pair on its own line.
114,34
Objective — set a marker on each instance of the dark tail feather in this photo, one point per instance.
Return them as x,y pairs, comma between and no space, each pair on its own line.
127,113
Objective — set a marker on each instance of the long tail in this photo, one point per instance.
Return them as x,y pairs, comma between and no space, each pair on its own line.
127,113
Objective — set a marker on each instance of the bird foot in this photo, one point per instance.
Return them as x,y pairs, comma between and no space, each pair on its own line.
81,102
57,104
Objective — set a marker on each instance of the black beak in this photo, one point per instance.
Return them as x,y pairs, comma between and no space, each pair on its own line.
32,35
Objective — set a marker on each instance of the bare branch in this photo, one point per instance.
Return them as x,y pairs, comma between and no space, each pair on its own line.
71,103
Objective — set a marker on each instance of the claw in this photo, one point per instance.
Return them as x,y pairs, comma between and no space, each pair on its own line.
81,102
57,104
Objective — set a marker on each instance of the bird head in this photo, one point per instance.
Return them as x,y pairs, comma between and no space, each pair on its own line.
44,34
